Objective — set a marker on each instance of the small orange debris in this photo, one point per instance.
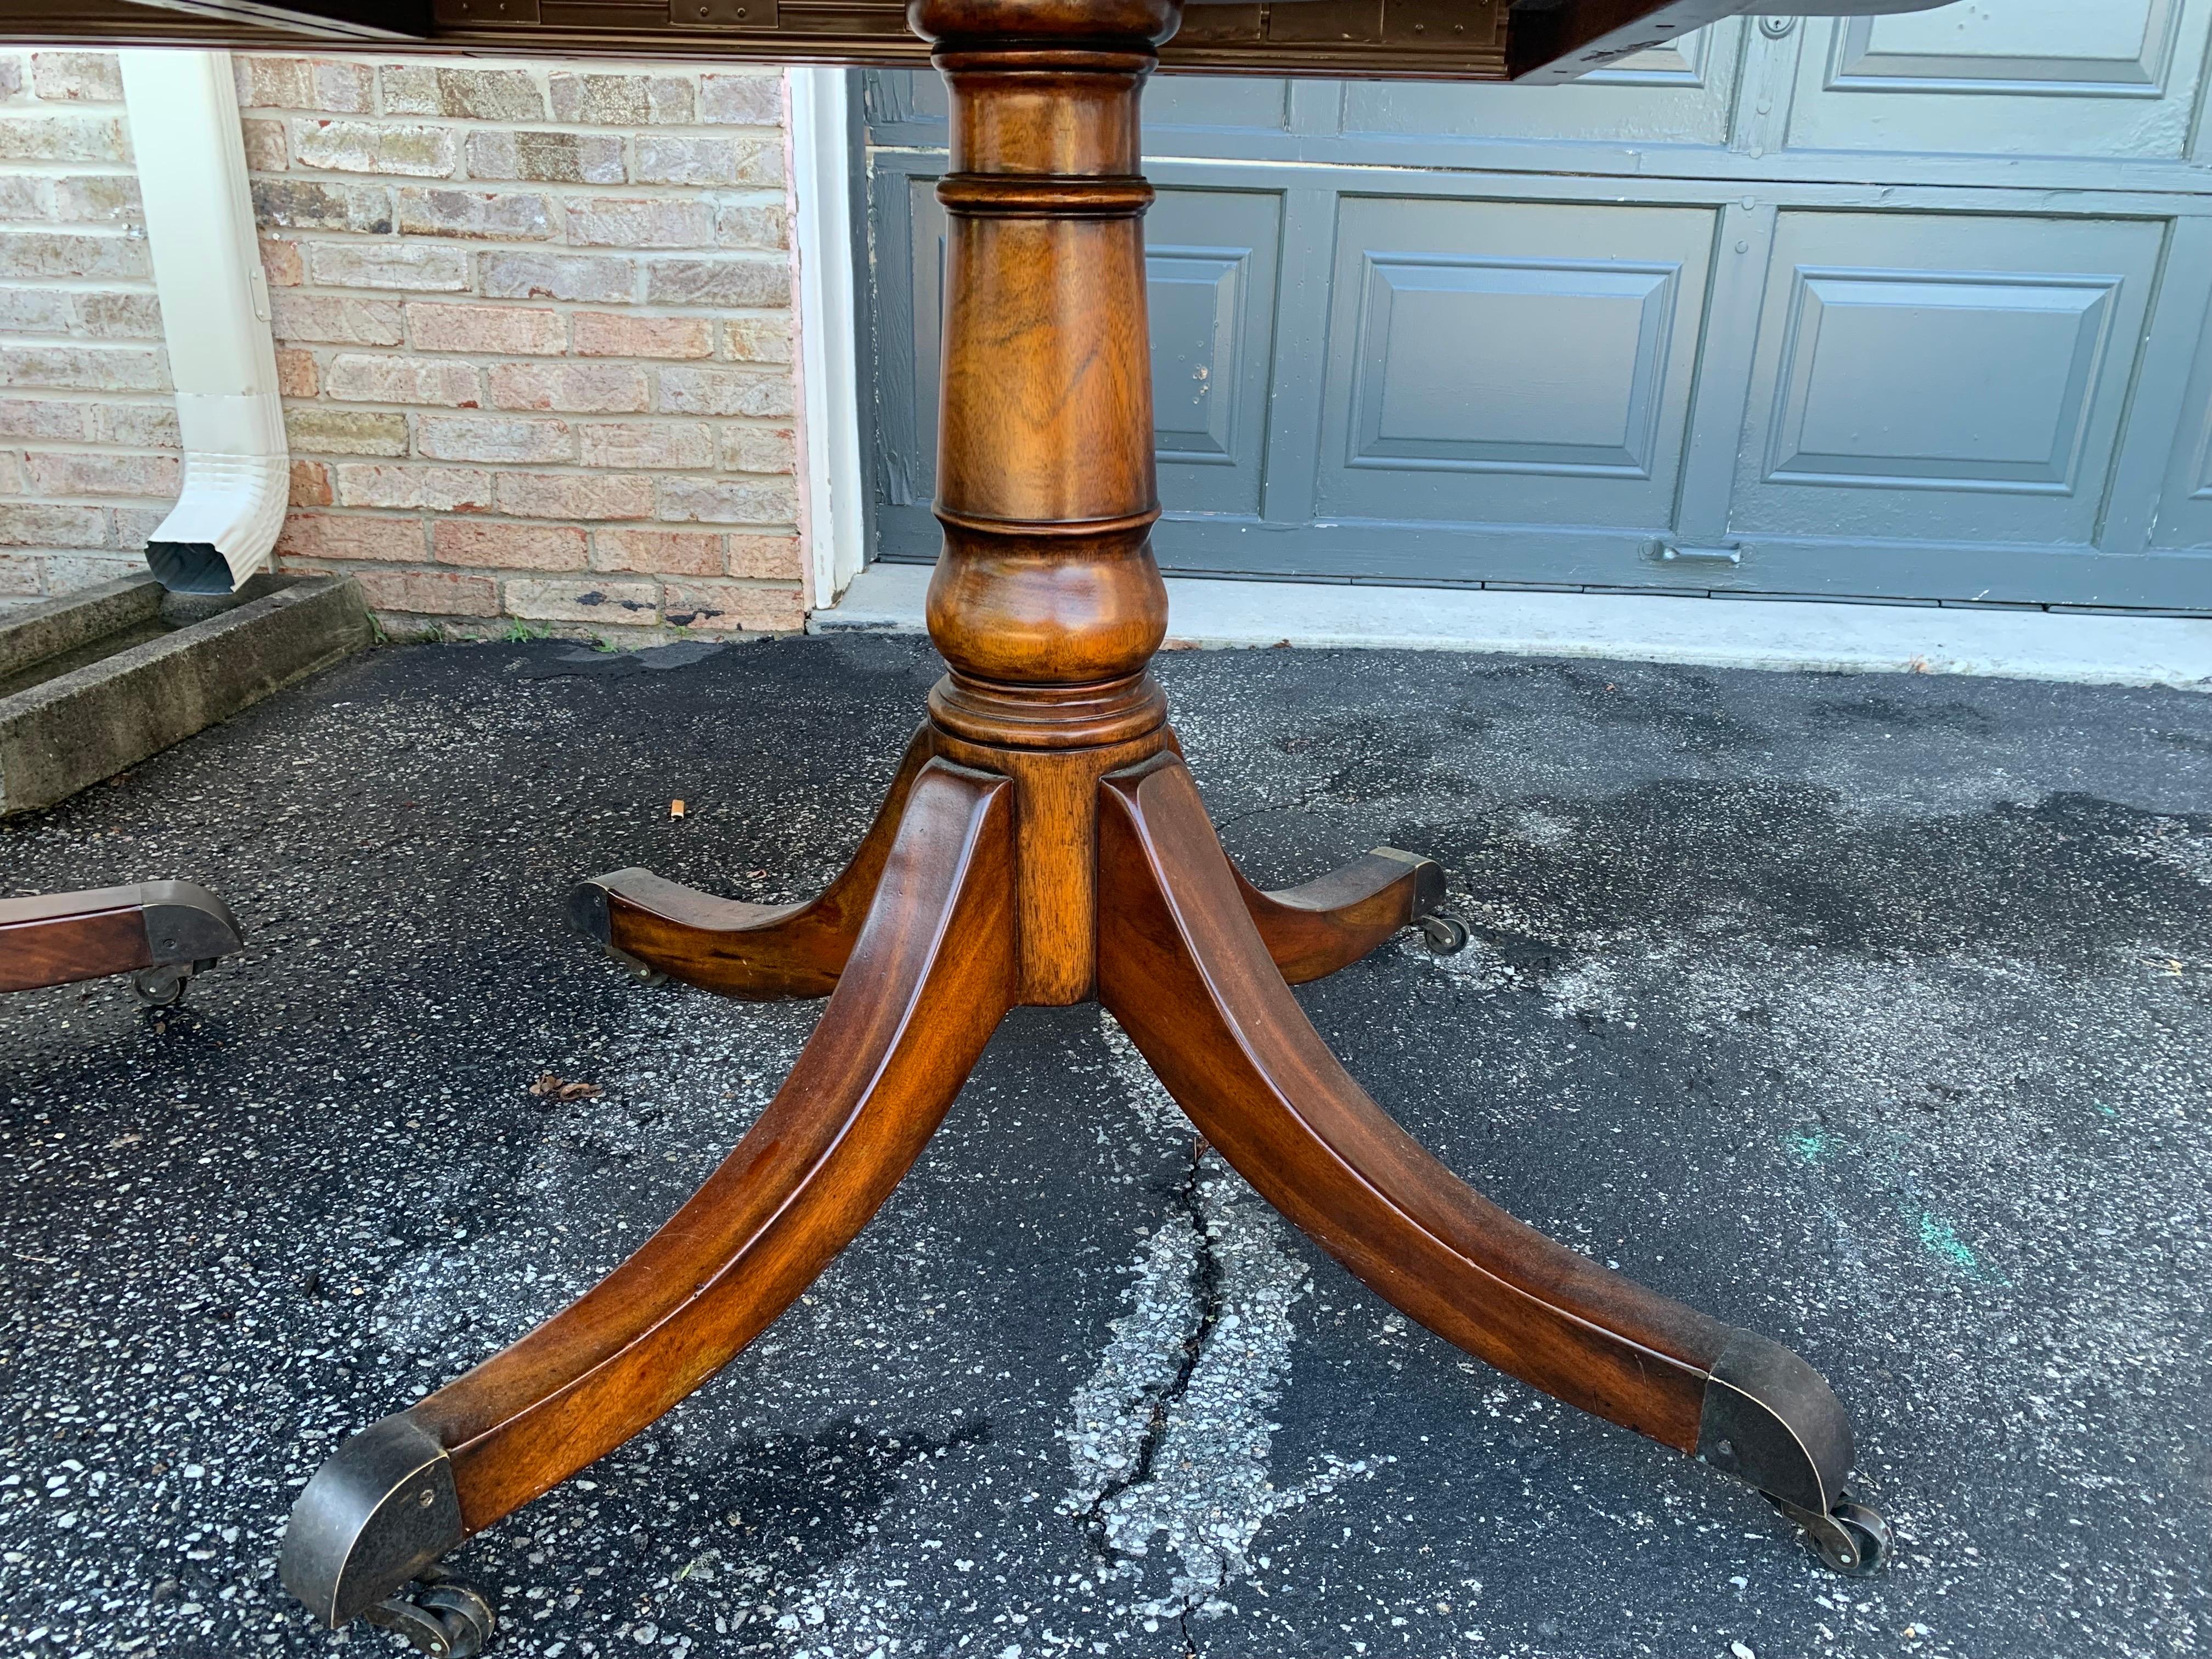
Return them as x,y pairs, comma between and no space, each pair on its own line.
676,809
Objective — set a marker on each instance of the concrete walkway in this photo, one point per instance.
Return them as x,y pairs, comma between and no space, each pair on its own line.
2075,648
1871,1012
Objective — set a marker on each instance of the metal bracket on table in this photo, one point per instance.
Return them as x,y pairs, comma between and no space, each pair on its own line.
1770,1419
378,1512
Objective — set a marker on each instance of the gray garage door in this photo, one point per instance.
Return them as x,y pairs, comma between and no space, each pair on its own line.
1907,307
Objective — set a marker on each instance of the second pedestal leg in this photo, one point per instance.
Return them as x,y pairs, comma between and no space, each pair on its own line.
1183,969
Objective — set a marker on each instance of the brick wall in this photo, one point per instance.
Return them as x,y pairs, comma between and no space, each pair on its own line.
533,323
87,432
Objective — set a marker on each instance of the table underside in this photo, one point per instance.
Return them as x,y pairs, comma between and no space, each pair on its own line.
1377,39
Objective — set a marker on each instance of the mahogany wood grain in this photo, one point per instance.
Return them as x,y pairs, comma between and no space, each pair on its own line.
759,952
1046,602
58,939
930,978
1312,930
1055,809
1183,968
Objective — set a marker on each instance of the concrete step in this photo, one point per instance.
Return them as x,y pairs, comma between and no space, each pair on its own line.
94,684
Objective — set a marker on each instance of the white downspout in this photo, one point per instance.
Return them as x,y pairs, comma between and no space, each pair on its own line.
831,498
185,132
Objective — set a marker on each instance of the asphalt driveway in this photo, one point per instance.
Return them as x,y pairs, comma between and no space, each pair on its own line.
1874,1014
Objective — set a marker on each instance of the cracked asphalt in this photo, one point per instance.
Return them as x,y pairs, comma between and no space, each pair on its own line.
1872,1013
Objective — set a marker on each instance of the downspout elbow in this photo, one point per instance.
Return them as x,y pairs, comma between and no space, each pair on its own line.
237,485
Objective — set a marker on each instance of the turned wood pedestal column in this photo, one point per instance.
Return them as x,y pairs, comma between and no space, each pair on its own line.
1042,844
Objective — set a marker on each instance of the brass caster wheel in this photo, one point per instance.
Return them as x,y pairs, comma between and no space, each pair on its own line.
1852,1538
439,1616
161,988
1444,935
643,972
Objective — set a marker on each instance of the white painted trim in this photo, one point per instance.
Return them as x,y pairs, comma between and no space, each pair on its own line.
1777,634
833,502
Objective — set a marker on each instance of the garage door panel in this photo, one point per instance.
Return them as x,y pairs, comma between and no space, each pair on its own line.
1873,362
1483,350
1449,350
2014,77
1950,378
1210,264
1211,259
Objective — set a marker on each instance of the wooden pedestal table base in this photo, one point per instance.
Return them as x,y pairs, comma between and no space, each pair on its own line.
1043,844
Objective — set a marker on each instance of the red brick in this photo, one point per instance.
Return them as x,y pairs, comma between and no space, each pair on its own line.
663,552
330,320
79,77
492,438
726,501
334,86
746,101
311,484
509,546
83,368
85,473
726,392
624,221
343,536
429,592
593,388
361,378
601,603
296,374
757,339
762,449
38,524
681,445
499,330
266,148
774,558
609,334
60,253
575,495
435,488
730,607
281,263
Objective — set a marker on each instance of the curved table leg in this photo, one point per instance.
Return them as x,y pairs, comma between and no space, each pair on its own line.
757,952
933,973
1183,968
1330,923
